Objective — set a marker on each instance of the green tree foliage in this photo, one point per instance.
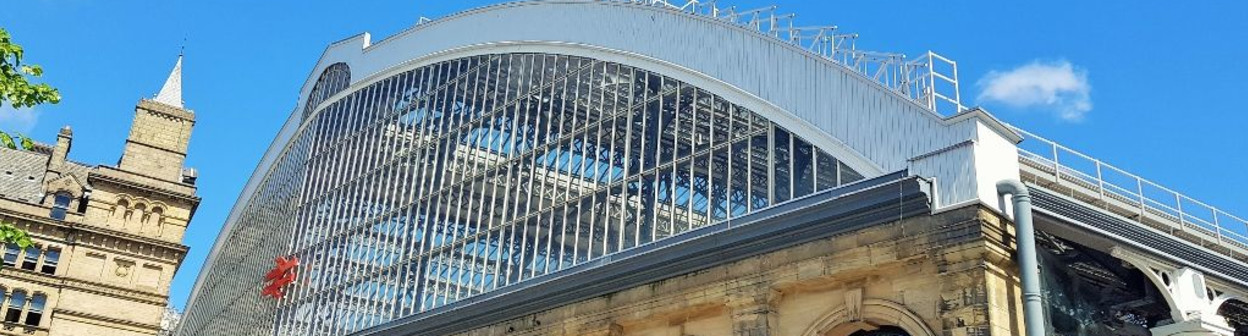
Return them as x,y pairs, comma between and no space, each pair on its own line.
22,141
10,234
27,144
19,92
7,141
14,86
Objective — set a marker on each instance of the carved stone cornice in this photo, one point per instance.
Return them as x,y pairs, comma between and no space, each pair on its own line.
174,190
601,329
7,328
77,233
26,276
137,326
171,111
111,240
115,291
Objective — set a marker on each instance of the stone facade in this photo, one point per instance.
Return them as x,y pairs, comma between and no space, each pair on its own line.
944,274
107,238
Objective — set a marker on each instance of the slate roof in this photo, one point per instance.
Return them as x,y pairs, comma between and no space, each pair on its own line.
21,174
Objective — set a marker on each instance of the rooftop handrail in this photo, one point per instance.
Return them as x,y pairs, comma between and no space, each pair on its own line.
930,80
1184,208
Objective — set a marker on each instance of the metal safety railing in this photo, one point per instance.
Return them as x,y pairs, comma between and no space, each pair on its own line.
1130,195
930,79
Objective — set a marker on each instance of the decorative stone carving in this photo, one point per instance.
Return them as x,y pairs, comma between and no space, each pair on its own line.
853,304
123,269
873,313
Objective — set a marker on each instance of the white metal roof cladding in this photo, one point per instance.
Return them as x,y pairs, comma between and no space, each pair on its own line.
829,103
770,76
868,126
873,120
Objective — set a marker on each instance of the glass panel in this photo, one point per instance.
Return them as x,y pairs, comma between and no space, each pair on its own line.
16,302
825,171
848,175
31,258
50,260
450,180
782,166
11,252
35,314
60,205
803,168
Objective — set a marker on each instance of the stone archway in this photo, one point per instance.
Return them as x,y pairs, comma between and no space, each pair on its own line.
867,315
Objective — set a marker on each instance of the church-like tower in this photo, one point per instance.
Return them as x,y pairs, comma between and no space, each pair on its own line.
160,133
107,238
150,192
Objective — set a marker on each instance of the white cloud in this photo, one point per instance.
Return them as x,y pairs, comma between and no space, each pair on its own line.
17,120
1056,86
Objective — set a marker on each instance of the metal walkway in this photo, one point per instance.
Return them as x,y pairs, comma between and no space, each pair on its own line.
1079,176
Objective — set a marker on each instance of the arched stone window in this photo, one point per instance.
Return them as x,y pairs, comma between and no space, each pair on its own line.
124,207
869,317
156,214
154,220
882,331
34,315
142,210
16,302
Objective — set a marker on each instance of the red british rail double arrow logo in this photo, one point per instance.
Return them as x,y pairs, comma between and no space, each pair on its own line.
281,275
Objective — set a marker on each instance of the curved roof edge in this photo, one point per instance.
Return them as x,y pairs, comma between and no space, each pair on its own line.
887,128
965,153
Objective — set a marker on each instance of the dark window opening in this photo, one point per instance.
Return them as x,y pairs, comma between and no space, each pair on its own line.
16,302
32,258
35,314
882,331
50,260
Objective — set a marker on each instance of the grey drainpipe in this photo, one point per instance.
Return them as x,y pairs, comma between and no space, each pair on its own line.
1028,267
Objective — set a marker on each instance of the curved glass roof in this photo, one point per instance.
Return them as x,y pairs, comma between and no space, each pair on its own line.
453,179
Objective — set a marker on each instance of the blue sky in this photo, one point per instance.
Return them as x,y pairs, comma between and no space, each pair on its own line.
1155,88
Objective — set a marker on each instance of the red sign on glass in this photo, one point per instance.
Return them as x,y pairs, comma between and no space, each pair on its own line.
281,275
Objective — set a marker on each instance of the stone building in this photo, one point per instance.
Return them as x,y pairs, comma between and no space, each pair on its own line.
107,238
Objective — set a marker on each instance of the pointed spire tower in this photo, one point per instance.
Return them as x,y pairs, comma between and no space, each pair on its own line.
160,133
171,93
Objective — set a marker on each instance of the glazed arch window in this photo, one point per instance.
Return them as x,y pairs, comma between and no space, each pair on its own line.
35,314
31,259
51,259
60,205
16,302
